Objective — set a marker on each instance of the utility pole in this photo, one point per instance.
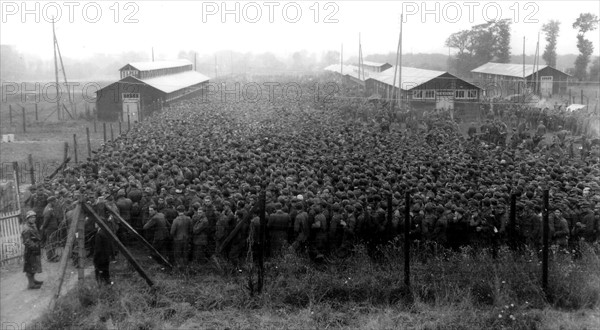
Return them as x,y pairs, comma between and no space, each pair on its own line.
56,72
152,54
397,68
195,56
62,66
524,81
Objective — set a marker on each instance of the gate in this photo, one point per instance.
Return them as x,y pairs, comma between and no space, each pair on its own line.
546,86
10,236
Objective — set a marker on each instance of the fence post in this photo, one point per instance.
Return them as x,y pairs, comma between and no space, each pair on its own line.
36,112
75,147
31,173
120,129
89,147
10,114
17,181
65,152
104,129
581,97
24,120
513,221
545,229
112,134
128,122
81,249
407,240
95,127
262,235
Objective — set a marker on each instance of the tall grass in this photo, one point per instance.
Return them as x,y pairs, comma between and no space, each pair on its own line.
466,289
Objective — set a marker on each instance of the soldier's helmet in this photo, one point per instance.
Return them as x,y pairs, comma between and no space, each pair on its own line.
30,214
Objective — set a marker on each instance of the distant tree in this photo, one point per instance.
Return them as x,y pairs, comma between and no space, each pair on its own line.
551,29
481,44
330,57
584,23
502,38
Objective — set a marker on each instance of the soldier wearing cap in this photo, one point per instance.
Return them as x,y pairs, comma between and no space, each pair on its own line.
181,232
32,262
49,227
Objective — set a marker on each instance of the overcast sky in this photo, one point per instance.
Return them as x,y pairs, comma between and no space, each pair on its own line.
188,25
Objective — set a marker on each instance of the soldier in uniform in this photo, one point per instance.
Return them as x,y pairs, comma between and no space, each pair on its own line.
50,226
102,255
181,232
278,224
32,261
157,225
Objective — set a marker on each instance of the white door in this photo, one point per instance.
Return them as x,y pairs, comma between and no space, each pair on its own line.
131,106
546,86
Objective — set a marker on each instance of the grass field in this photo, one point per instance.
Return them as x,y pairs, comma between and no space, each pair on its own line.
452,290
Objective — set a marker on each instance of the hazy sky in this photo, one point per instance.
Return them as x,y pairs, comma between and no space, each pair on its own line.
189,25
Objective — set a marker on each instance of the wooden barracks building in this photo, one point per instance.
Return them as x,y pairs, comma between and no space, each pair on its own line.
145,86
505,79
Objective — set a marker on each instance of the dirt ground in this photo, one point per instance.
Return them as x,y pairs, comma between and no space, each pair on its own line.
18,305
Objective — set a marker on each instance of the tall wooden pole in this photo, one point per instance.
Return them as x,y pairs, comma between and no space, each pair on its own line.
104,131
407,240
262,235
342,61
10,114
398,54
24,119
31,171
36,112
81,248
89,145
75,148
56,72
545,243
112,134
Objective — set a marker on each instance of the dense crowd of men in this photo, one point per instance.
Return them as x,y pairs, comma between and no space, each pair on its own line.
187,176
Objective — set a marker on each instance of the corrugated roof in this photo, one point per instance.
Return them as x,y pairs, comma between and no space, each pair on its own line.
147,66
509,69
411,77
349,70
374,63
175,82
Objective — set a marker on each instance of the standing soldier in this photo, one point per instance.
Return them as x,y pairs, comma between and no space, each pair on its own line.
32,261
181,232
159,231
559,229
102,255
278,225
50,226
301,229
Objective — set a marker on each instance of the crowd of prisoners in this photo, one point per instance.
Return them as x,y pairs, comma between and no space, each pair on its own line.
188,175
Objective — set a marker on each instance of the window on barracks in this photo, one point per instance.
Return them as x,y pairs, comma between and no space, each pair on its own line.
459,94
418,94
429,94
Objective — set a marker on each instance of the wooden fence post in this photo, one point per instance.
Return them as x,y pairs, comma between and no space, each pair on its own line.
10,114
31,173
128,122
95,127
24,120
112,134
65,152
89,146
75,147
262,235
120,132
545,242
104,130
120,245
81,249
407,240
36,112
65,255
